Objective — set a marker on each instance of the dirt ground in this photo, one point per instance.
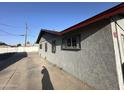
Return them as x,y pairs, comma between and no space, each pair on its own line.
28,71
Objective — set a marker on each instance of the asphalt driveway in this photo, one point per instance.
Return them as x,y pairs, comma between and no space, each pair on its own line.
28,71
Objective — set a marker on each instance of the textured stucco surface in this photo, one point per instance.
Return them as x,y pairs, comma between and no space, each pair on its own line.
94,64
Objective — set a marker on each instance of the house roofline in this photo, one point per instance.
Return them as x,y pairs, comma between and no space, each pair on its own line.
42,31
106,14
103,15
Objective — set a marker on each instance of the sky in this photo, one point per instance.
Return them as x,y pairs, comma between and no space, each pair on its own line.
53,16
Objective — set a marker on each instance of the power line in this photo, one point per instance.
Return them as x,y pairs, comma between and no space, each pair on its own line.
7,25
17,35
4,35
31,35
10,33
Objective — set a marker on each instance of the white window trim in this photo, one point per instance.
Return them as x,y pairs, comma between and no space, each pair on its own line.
64,43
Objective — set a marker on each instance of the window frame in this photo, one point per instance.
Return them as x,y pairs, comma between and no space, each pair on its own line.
45,47
64,45
40,46
53,46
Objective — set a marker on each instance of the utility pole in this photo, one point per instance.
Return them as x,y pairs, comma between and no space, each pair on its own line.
26,34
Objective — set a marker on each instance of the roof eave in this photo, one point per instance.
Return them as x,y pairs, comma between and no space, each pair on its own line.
106,14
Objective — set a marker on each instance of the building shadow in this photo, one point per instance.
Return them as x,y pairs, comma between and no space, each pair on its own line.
8,59
46,82
5,56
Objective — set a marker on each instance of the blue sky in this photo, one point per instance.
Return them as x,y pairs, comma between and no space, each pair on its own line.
53,16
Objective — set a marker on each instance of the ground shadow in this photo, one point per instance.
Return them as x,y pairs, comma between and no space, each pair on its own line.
46,82
8,59
5,56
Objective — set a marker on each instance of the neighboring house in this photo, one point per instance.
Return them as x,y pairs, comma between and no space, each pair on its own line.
3,45
92,51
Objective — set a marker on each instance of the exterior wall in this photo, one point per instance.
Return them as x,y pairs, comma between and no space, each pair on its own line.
94,64
116,39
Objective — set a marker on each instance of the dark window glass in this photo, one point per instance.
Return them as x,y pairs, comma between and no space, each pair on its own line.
74,42
69,42
40,46
53,46
45,47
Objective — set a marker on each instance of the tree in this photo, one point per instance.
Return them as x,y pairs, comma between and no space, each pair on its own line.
19,45
28,42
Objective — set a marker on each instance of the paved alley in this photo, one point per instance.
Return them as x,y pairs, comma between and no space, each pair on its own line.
28,71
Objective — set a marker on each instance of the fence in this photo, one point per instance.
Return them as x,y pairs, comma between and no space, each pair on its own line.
19,49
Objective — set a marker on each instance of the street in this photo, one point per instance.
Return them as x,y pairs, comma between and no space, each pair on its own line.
28,71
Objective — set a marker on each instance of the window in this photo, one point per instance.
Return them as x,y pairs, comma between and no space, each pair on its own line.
71,42
74,42
40,46
53,46
45,47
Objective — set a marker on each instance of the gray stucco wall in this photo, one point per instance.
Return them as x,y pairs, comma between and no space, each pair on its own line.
94,64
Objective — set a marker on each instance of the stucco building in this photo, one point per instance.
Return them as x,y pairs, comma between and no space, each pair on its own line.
92,51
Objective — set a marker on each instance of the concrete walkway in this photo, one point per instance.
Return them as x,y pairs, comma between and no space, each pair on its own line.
26,71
